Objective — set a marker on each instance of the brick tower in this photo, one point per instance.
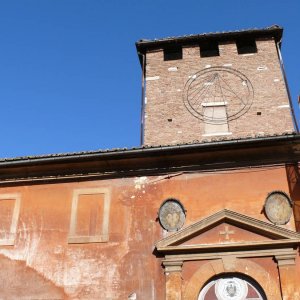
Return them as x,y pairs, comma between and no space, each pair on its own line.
216,85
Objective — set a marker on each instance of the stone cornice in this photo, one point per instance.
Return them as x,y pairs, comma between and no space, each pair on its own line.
158,160
278,253
280,236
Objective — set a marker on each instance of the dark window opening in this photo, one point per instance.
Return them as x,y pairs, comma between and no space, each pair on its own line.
246,46
209,48
173,53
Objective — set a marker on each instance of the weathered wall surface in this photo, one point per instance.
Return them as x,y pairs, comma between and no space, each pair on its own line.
43,264
293,174
167,121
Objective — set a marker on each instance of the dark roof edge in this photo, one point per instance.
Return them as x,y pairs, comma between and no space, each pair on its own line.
146,151
271,31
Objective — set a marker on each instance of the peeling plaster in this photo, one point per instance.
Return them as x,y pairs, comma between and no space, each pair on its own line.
29,237
140,182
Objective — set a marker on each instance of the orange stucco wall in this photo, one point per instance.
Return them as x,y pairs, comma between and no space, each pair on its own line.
41,256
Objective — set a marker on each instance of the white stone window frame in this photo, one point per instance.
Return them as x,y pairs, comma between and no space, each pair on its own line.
10,241
73,237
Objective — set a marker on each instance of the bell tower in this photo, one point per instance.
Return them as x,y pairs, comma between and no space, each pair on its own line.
217,85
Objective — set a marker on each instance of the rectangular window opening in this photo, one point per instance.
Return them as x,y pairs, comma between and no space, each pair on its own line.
245,46
173,53
209,49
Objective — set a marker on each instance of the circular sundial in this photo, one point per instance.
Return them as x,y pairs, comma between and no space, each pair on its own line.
214,87
171,215
278,208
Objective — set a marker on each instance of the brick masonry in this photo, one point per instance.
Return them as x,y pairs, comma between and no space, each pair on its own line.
167,120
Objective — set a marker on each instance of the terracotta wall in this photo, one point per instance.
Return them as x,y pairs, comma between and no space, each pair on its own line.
293,174
42,264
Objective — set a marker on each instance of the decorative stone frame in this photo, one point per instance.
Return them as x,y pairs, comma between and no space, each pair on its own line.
14,220
240,266
230,257
73,238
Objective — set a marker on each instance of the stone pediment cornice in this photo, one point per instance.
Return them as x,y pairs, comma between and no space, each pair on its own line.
277,237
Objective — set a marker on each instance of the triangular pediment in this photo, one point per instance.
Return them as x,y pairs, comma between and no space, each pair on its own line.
228,229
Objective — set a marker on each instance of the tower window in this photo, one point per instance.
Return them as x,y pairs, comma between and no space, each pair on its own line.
209,48
173,53
245,46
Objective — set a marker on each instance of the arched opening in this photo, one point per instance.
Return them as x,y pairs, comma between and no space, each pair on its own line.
232,287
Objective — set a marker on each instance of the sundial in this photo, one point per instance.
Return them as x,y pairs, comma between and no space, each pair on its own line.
278,208
218,86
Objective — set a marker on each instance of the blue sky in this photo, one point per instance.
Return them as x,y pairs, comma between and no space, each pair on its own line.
70,79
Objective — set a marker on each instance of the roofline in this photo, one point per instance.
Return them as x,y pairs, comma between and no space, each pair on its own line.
146,151
272,31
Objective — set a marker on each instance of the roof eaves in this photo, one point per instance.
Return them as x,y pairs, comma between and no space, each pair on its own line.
274,30
143,150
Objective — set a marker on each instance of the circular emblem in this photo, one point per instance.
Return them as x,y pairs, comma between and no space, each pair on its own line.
213,87
231,289
171,215
278,208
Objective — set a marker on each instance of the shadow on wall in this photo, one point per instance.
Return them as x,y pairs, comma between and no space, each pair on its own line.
18,281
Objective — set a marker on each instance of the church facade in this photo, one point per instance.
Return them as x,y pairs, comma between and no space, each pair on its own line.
207,208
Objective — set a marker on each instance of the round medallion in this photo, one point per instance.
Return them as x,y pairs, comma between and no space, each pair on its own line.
171,215
278,208
231,289
214,87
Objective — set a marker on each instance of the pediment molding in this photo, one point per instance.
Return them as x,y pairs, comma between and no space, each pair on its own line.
279,237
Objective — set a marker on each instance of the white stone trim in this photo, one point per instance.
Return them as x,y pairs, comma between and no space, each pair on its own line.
73,238
247,54
217,133
262,68
173,69
10,241
152,78
221,103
